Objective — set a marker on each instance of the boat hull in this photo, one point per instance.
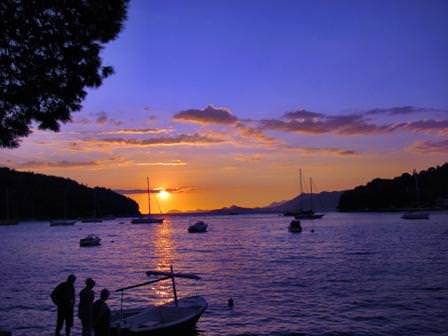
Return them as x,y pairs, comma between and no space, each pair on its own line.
416,215
146,220
295,226
62,222
92,220
313,216
8,222
168,327
89,243
199,227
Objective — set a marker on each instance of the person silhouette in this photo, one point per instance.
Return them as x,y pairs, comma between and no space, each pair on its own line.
63,296
85,308
101,315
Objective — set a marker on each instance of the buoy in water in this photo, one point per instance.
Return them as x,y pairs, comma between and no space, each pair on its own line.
230,303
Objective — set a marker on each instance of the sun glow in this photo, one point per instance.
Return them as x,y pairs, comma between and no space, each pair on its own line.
163,194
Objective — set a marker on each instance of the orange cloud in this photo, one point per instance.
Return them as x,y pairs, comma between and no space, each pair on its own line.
433,147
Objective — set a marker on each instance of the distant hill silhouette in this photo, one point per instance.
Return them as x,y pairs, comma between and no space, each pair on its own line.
36,196
324,201
399,192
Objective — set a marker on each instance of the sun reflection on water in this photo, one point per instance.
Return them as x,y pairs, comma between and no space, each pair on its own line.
165,256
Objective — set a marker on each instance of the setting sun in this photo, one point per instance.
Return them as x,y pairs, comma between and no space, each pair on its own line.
163,194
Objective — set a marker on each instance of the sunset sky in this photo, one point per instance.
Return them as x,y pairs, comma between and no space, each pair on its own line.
221,102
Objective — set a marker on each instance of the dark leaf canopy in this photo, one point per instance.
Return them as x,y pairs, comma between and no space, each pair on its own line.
49,56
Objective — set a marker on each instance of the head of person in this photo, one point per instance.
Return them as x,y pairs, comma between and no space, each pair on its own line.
90,283
104,294
71,279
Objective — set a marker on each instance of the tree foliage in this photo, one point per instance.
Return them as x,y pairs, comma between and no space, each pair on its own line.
28,195
398,193
49,55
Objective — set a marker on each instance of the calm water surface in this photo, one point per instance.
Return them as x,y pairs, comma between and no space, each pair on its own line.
357,274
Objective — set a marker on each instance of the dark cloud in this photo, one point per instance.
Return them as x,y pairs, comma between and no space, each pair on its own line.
57,164
181,139
403,110
430,147
343,125
102,118
209,115
302,115
307,122
427,126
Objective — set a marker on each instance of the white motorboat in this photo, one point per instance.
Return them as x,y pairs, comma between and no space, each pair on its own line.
198,227
170,318
90,240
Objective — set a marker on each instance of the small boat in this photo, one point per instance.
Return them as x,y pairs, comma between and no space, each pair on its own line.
90,240
92,220
415,215
295,226
8,222
307,214
62,222
148,219
198,227
170,318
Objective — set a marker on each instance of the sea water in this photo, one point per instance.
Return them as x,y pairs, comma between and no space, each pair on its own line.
356,274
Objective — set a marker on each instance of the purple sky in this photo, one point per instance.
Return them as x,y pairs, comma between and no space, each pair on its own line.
222,102
264,58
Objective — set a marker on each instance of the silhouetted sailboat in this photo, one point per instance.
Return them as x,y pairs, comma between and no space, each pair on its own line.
93,219
301,213
7,220
148,219
416,214
65,221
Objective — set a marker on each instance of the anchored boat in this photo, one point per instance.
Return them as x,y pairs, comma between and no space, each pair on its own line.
62,222
415,214
300,213
90,240
295,226
173,317
198,227
148,219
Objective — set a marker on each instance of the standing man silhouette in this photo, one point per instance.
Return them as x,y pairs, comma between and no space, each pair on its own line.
101,315
63,297
86,297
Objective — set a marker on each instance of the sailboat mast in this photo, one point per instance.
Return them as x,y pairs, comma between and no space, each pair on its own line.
311,193
149,197
301,181
417,190
7,204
